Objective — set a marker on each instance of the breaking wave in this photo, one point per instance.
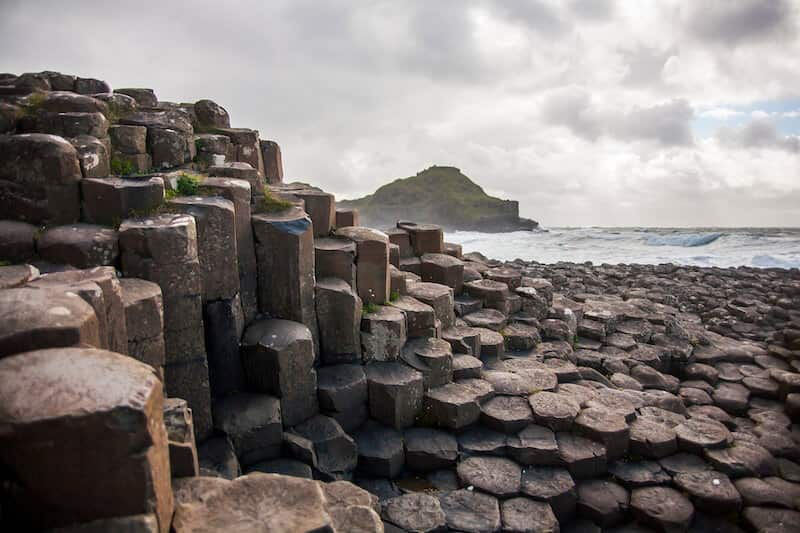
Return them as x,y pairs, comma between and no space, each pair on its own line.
683,239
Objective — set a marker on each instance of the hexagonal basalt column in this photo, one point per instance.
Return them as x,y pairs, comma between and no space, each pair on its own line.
108,201
273,163
443,269
321,207
425,238
216,240
278,358
144,317
32,319
383,334
79,245
246,145
242,171
346,217
105,411
335,258
440,297
238,192
285,254
339,319
372,262
163,250
39,179
395,393
110,308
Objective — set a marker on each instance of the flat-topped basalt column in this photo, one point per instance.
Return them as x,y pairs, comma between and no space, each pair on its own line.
216,241
346,217
144,317
242,171
108,201
238,191
273,162
425,238
163,249
278,359
372,263
105,411
321,207
335,258
285,255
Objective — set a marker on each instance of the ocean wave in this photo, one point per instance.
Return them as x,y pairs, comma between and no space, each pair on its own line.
687,240
770,261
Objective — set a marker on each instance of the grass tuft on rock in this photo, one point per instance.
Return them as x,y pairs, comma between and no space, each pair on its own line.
270,204
370,308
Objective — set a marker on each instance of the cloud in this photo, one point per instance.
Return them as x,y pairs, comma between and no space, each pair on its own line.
666,123
580,109
720,113
758,133
595,10
738,21
537,15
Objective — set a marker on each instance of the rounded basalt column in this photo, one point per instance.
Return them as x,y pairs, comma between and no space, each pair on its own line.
108,305
39,179
33,319
105,411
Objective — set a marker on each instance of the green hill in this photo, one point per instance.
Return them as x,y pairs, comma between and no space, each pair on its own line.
439,195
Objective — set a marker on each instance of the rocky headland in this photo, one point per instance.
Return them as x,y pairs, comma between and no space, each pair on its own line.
440,195
187,343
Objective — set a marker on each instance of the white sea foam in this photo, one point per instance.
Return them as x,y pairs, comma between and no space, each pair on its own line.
757,247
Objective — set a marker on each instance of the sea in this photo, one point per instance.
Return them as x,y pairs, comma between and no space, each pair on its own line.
720,247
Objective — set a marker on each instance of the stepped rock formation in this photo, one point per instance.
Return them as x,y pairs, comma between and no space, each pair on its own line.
188,344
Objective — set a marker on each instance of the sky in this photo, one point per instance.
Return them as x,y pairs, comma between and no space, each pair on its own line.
588,112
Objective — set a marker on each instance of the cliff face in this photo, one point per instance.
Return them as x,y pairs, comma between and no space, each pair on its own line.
440,195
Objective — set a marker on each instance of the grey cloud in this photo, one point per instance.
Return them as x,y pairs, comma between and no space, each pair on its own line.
667,123
758,133
534,14
645,64
593,9
572,107
737,21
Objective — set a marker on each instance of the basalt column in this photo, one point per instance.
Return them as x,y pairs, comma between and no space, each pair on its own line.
285,254
238,191
105,412
222,309
163,249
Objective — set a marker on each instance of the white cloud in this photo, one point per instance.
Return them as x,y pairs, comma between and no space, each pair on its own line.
721,113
